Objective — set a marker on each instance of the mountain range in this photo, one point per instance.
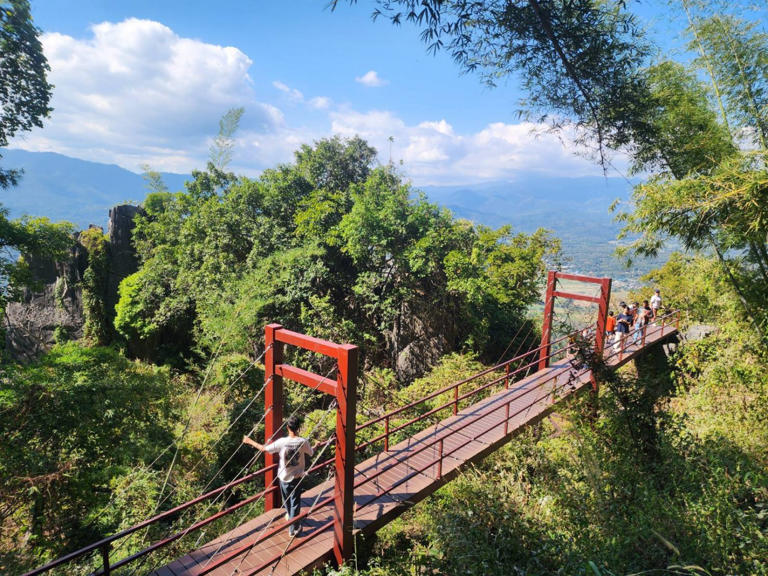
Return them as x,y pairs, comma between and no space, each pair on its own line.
574,209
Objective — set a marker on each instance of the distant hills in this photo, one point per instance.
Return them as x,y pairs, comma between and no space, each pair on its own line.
575,209
64,188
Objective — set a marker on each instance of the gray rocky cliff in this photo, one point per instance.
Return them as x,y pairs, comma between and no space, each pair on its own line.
53,308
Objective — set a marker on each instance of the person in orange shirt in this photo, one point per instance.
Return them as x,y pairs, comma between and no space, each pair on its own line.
610,328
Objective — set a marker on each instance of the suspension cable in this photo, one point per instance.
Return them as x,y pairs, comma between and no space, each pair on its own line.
149,466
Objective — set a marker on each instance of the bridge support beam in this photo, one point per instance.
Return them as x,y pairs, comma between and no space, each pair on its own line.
344,390
344,499
273,409
546,327
602,317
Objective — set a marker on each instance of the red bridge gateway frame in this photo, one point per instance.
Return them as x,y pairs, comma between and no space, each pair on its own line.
344,390
603,301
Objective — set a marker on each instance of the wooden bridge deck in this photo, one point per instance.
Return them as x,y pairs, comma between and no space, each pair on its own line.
388,483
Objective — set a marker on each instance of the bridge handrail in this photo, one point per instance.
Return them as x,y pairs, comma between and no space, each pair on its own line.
449,387
266,535
437,440
157,518
455,386
672,314
105,543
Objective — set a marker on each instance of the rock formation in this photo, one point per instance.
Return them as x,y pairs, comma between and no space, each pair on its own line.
52,308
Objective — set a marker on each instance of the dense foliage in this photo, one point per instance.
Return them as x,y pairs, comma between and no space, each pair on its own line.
74,427
96,326
24,97
328,246
709,146
33,238
672,476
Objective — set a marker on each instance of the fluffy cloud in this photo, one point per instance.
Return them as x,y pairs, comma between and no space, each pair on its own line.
320,102
135,92
434,153
292,93
371,79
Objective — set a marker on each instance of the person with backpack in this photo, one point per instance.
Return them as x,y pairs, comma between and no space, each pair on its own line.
623,322
290,470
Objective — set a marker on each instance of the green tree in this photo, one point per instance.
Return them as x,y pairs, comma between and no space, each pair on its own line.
327,245
735,55
681,134
224,144
24,96
710,194
75,424
24,88
32,237
579,62
96,328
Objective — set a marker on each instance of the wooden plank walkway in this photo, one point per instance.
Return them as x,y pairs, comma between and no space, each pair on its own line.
390,482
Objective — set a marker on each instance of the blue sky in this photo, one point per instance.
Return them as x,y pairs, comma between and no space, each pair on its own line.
145,82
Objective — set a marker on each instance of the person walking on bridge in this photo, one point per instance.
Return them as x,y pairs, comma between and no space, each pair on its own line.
610,329
290,470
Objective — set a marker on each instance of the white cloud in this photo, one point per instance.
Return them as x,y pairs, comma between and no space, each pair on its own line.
321,102
292,93
432,152
135,92
371,79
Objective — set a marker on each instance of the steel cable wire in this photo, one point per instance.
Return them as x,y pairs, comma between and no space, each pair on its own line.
147,467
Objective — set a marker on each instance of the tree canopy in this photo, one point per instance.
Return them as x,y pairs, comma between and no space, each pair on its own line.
24,96
579,62
330,245
24,88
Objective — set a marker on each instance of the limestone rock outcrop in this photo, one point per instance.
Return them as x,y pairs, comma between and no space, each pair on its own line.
52,308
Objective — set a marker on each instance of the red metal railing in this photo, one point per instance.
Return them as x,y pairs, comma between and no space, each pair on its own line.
105,544
532,356
438,440
672,317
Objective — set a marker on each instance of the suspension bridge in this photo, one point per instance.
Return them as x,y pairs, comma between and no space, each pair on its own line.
381,467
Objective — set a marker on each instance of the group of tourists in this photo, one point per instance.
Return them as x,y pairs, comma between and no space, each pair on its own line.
631,320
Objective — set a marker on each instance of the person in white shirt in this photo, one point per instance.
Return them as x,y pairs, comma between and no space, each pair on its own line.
290,470
656,303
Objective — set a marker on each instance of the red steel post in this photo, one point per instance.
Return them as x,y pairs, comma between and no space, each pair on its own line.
602,319
440,461
344,497
273,409
602,314
546,327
